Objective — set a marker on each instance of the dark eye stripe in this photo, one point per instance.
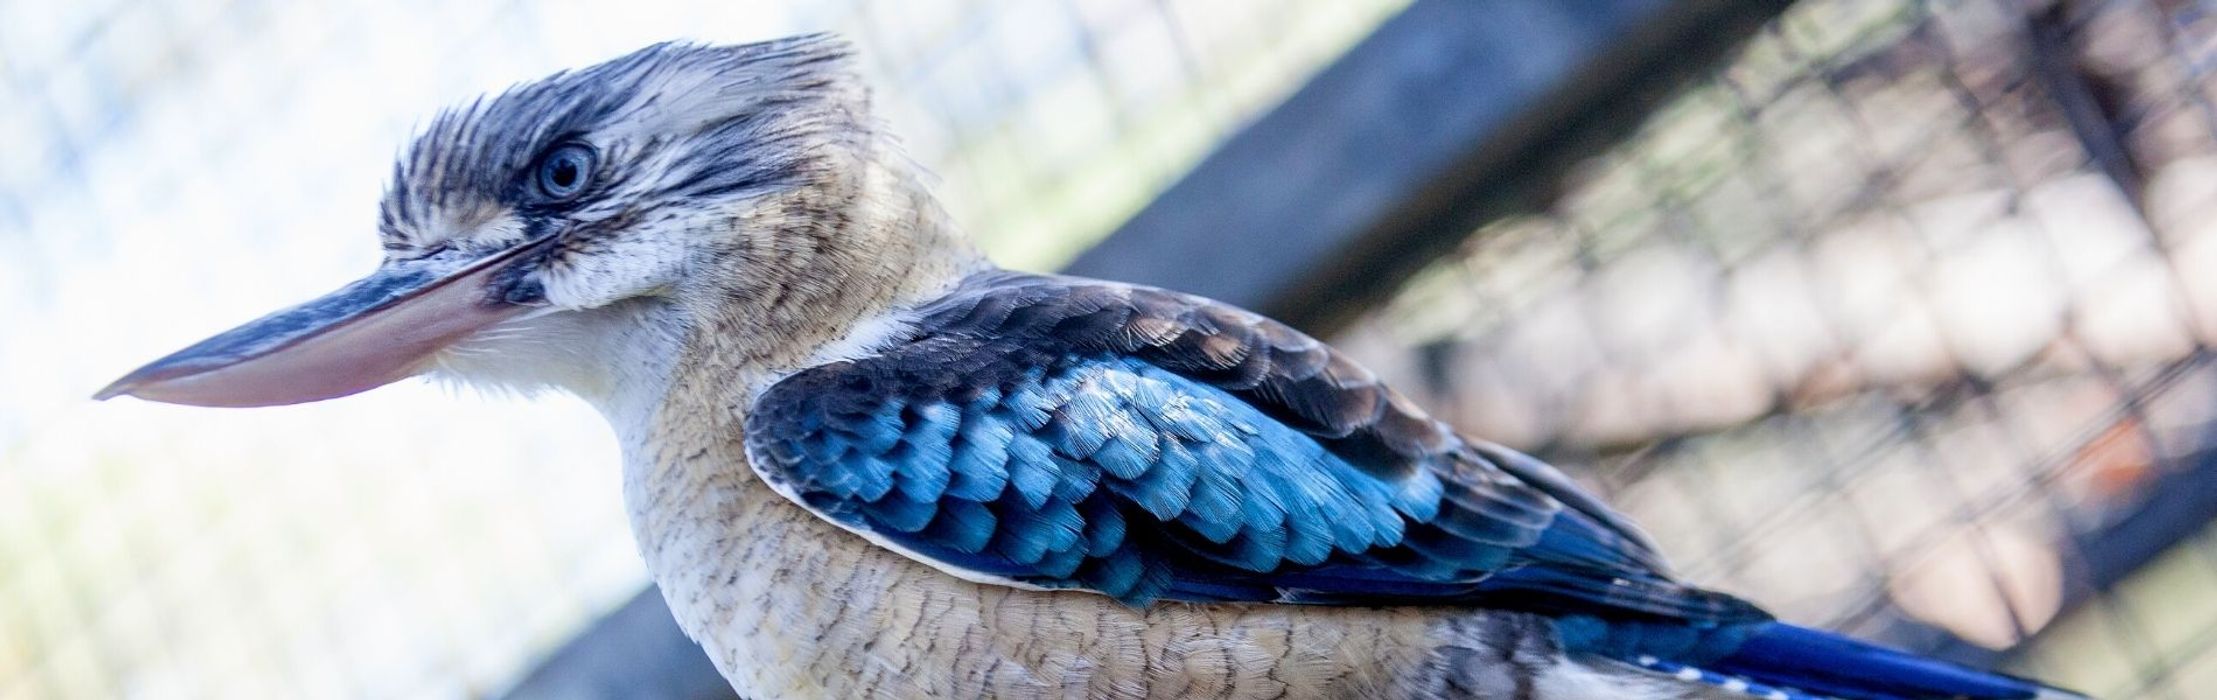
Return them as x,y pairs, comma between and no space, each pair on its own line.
407,253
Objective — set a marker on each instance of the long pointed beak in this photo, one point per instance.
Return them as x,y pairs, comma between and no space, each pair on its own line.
375,331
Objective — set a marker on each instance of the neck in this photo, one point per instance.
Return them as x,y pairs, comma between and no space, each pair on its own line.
848,284
847,261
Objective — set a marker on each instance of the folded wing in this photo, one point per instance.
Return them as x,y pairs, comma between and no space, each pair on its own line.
1147,445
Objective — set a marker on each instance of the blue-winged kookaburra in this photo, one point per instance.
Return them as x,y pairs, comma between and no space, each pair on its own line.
862,461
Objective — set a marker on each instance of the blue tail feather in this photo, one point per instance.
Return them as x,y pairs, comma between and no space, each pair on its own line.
1830,664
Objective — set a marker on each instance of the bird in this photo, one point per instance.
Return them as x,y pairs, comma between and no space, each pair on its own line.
862,460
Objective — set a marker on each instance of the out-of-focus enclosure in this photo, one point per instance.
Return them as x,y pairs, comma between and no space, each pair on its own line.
1899,322
1893,315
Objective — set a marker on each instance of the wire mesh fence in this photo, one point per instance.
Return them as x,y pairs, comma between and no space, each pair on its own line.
176,166
1900,323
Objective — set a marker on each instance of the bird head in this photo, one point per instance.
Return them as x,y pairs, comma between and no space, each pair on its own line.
744,187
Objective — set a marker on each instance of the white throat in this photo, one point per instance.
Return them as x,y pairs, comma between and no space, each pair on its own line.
618,358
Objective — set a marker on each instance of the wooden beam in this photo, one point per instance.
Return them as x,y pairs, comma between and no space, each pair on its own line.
1452,113
635,652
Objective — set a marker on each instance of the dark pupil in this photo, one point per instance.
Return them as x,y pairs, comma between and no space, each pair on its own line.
565,173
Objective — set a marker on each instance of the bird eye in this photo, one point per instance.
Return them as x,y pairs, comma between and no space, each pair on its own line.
565,171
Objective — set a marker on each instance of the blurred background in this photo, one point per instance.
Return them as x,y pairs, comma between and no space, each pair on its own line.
1895,315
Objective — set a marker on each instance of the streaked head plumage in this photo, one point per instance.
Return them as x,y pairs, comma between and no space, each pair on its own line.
628,162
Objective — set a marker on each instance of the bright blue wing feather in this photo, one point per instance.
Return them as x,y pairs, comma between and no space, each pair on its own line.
1189,473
